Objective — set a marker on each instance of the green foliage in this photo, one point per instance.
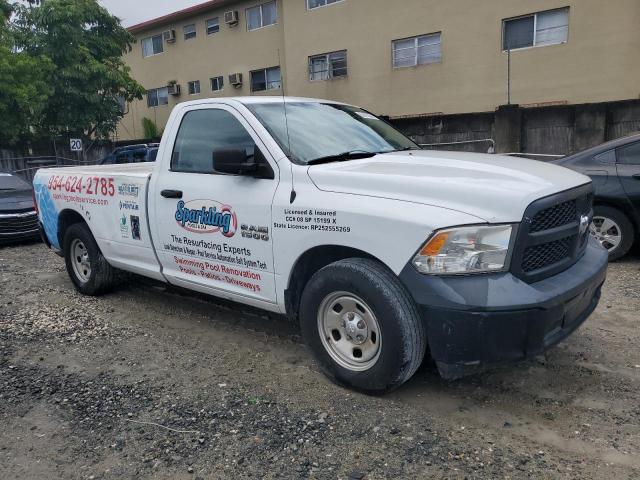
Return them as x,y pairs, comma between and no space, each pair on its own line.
5,11
24,92
24,88
150,128
77,47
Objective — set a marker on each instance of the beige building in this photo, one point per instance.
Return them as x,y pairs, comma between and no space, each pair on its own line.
399,58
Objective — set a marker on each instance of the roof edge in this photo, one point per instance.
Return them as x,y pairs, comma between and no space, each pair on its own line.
178,15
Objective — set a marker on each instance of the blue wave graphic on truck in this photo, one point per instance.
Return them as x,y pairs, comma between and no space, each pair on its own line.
48,213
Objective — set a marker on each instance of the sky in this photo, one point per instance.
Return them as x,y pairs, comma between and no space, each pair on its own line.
136,11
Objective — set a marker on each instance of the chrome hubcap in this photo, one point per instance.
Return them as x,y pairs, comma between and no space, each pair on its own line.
349,331
80,260
606,231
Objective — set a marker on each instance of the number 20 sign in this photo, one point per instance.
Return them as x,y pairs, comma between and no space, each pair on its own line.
75,144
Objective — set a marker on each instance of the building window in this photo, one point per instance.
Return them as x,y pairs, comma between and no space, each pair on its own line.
152,45
329,65
213,25
421,50
217,84
189,31
311,4
536,30
157,96
267,79
262,16
194,87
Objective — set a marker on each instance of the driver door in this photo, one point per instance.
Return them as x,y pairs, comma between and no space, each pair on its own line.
214,230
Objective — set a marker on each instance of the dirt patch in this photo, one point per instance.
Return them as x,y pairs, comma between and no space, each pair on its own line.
151,383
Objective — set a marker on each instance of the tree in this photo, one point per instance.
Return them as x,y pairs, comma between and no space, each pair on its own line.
89,81
24,89
24,92
5,11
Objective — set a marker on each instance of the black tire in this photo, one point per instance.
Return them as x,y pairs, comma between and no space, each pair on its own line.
402,334
626,229
102,276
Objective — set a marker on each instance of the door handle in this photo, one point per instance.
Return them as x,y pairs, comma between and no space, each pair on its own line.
171,193
636,176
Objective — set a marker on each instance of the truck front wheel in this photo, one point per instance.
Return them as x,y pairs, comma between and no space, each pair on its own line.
89,270
362,325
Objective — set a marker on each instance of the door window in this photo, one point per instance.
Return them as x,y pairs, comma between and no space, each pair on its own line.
629,155
606,158
202,133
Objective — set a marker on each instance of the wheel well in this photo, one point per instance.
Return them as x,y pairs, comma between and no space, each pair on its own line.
309,263
65,220
622,209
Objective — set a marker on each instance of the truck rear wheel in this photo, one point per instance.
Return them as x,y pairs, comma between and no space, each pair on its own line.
362,325
89,270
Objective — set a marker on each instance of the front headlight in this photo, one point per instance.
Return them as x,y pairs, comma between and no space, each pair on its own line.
465,250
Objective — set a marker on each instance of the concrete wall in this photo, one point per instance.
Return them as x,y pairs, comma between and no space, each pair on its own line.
599,62
555,130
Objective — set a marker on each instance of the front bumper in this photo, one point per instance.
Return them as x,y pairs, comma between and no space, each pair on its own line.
476,320
18,226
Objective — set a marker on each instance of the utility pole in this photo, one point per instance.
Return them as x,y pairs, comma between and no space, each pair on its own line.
509,75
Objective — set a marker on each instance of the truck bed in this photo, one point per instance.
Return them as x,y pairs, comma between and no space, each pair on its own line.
112,200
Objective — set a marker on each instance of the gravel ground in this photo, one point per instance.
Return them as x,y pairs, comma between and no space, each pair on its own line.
152,383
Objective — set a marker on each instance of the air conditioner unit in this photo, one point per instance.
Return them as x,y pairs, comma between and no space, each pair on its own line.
169,36
173,88
235,79
231,18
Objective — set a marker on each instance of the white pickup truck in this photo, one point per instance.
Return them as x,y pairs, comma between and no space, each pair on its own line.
326,213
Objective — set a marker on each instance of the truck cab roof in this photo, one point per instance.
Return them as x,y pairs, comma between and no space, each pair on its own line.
257,99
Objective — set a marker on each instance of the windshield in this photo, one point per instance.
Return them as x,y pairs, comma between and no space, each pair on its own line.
10,182
319,130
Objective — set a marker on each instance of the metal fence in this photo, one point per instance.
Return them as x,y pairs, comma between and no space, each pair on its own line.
490,148
489,141
26,167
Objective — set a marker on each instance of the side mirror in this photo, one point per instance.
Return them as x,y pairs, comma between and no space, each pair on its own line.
234,162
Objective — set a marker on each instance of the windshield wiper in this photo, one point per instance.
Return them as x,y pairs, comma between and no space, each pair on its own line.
404,149
342,157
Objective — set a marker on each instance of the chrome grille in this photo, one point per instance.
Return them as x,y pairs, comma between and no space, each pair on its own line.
17,223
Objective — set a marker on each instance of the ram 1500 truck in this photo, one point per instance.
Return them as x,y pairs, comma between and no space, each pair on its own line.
326,213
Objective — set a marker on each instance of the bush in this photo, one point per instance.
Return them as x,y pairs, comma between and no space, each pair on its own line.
150,128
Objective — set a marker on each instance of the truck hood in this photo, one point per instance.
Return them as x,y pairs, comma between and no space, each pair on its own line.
492,187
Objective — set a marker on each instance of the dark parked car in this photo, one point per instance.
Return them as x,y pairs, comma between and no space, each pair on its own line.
614,168
132,154
18,219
